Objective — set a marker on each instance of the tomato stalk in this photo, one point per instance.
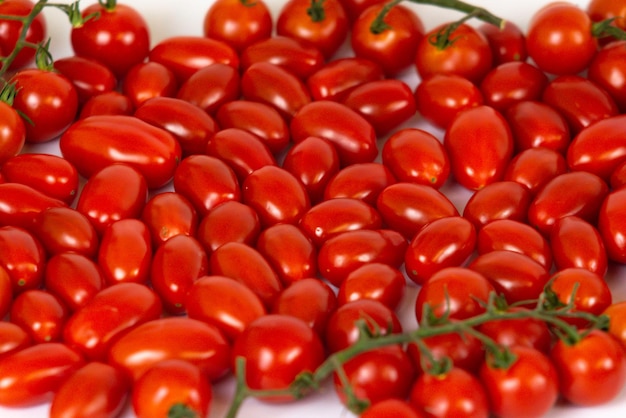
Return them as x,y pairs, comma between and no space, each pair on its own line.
605,28
180,410
316,11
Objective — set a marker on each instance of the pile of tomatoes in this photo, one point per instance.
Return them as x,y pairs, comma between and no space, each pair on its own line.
257,192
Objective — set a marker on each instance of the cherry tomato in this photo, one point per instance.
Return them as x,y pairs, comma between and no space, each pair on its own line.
616,314
511,83
391,408
147,80
10,31
109,103
23,257
73,278
376,281
89,76
12,133
230,221
355,7
508,43
40,313
611,224
528,332
6,292
534,167
499,200
605,9
211,86
607,71
362,181
119,38
337,78
21,204
577,243
169,214
12,339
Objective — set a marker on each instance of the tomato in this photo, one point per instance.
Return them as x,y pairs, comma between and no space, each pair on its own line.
443,242
479,143
243,151
611,224
579,100
514,275
125,252
6,292
592,370
175,337
109,314
10,31
184,55
392,42
616,328
276,195
508,43
363,181
257,118
147,80
248,266
228,222
511,83
508,389
170,384
453,393
211,86
342,330
40,313
559,39
324,25
48,99
355,7
224,303
314,162
95,390
577,243
440,97
239,23
13,133
21,204
176,265
190,125
579,193
534,167
535,124
454,291
376,375
499,200
602,9
468,55
169,214
289,251
155,153
89,76
23,257
119,38
109,103
12,339
344,253
311,300
116,192
407,207
337,78
73,278
206,182
30,376
331,217
618,177
530,332
276,349
607,71
391,408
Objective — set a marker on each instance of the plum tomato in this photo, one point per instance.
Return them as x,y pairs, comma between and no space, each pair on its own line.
511,83
89,76
499,200
23,257
210,87
578,243
6,293
391,408
612,225
147,80
64,229
230,221
376,281
607,70
21,204
169,214
362,181
337,78
508,43
108,103
41,314
534,167
13,339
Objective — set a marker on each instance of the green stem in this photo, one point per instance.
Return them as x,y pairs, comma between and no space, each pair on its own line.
605,28
316,11
477,12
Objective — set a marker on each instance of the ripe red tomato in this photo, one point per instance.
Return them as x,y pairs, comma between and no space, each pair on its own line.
6,292
12,133
391,408
147,80
73,278
21,204
12,339
363,181
577,243
169,214
499,200
89,76
23,257
212,86
511,83
607,71
617,325
605,9
611,224
508,43
109,103
534,167
376,281
337,78
10,31
40,313
528,332
230,221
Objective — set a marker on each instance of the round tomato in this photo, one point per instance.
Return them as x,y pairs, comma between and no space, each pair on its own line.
605,68
10,30
12,133
528,332
511,83
508,43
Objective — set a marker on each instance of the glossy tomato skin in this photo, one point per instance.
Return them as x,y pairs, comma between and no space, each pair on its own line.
499,200
603,68
172,337
479,143
11,29
276,349
508,43
601,9
13,338
391,408
89,76
225,303
109,103
13,135
31,375
363,181
529,332
512,82
616,314
211,86
228,222
155,152
169,214
111,313
147,80
40,313
23,257
6,292
611,224
578,243
376,281
96,390
73,278
21,204
534,167
337,78
168,383
119,38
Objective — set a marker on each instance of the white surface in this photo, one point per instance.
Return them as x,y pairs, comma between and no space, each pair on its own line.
167,18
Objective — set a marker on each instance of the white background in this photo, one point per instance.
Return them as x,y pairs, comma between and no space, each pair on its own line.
167,18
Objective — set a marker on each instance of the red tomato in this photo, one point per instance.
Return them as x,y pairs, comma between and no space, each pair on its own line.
508,43
276,349
391,408
211,86
12,133
443,242
206,182
618,177
238,23
116,192
12,339
362,181
577,243
125,252
355,7
169,214
96,390
155,153
617,325
109,314
337,78
225,303
228,222
248,266
605,9
391,42
176,265
40,313
89,76
612,225
48,99
147,80
531,376
109,103
534,167
30,376
528,332
479,144
170,385
10,30
499,200
310,300
440,97
20,204
23,258
511,83
73,278
175,337
6,292
192,127
119,38
467,55
592,370
321,24
559,39
607,70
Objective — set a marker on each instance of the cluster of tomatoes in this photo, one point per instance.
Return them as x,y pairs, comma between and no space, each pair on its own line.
254,192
